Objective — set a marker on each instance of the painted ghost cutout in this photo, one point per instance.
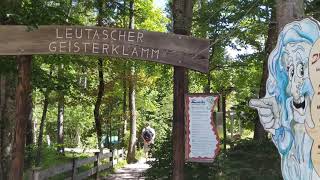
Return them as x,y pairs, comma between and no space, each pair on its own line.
290,110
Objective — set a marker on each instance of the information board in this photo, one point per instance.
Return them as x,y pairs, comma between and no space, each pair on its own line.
202,141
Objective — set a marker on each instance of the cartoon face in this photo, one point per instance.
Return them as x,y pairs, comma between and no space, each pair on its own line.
295,60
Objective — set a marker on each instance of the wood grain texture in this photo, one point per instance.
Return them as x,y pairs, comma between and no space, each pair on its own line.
166,48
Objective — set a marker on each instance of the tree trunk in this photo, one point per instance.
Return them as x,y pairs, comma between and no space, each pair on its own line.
132,100
60,118
124,110
132,109
29,130
182,21
110,133
96,112
7,119
43,118
288,11
97,117
23,98
259,132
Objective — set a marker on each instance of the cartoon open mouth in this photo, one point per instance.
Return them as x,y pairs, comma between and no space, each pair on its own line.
299,105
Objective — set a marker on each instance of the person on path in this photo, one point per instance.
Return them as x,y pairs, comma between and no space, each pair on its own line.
148,135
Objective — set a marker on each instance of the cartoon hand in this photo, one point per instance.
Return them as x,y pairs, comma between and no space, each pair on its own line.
269,113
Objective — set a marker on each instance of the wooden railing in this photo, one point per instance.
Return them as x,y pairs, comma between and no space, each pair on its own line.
72,167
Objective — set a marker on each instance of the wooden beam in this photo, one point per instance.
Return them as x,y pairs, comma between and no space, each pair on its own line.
166,48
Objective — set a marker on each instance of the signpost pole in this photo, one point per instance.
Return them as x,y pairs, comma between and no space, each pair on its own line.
180,88
182,20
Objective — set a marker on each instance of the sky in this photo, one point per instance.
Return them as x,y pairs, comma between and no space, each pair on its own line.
160,3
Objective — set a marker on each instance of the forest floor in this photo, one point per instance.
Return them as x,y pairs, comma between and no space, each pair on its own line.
130,171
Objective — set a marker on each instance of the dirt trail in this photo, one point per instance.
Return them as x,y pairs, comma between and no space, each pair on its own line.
130,171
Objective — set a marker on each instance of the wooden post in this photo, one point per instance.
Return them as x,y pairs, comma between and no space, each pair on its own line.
96,164
74,168
182,21
180,86
23,98
223,99
111,158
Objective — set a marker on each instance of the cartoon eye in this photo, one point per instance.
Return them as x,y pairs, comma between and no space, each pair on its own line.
300,70
291,72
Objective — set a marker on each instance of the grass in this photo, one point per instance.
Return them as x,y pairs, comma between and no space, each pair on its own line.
51,158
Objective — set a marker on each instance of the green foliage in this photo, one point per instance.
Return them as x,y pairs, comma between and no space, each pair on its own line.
247,160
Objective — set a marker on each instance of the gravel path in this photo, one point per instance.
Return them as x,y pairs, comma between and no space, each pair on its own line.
130,171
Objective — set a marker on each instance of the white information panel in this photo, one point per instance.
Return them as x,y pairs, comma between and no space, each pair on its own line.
202,141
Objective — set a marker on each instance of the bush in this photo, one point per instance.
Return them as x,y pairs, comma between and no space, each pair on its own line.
247,159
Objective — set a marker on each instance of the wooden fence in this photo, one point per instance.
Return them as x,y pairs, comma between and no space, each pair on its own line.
99,164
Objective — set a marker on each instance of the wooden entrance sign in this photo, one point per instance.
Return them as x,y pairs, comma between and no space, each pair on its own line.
177,50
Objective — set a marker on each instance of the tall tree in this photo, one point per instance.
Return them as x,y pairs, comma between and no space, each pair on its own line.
132,99
23,98
124,100
97,116
8,82
60,117
43,118
259,132
288,11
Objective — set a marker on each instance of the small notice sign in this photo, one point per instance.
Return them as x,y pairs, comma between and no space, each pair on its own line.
202,141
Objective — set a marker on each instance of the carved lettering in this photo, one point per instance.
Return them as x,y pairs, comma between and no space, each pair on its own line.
76,45
105,33
85,46
131,36
114,49
87,40
57,34
78,34
112,37
96,35
134,51
155,53
95,47
123,51
143,51
88,32
53,47
68,33
105,48
63,46
69,46
140,36
123,36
